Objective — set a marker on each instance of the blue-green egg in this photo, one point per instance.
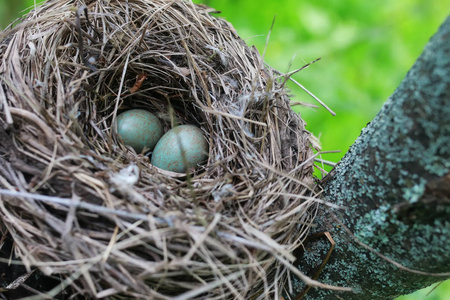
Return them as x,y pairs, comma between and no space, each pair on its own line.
180,149
139,129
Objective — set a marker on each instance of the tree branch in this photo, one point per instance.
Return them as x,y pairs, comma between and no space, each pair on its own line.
395,185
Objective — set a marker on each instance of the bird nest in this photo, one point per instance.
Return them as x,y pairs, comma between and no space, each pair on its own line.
82,206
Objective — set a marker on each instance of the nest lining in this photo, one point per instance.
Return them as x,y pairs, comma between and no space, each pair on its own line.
84,206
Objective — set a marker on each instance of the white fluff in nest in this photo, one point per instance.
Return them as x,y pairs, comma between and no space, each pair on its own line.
126,178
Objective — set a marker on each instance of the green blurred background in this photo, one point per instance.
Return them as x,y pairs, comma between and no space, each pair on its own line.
366,49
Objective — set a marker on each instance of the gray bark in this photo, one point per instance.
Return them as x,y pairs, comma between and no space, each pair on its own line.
394,187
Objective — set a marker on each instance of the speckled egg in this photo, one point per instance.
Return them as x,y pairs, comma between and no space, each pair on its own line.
180,148
139,129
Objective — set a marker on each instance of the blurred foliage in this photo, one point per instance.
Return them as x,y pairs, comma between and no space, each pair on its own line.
11,10
366,49
434,292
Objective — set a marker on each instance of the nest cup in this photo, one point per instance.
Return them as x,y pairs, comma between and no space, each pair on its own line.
80,205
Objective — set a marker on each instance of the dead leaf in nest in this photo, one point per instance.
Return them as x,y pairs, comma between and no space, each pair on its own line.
184,71
139,81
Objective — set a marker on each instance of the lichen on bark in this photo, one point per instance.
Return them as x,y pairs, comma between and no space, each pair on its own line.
391,185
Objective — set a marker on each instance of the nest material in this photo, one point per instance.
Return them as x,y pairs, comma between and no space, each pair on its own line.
80,204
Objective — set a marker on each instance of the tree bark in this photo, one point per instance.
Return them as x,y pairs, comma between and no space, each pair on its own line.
394,189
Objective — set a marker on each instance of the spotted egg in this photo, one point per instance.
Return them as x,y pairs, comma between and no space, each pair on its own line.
180,149
139,129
